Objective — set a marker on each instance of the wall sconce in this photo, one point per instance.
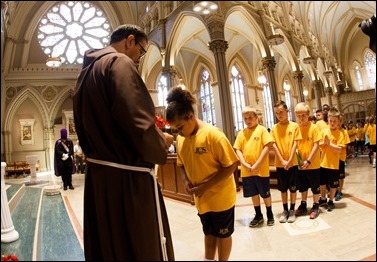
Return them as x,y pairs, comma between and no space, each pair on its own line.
205,7
305,92
53,62
286,85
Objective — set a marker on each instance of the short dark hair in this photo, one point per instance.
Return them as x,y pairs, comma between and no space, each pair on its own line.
123,31
281,103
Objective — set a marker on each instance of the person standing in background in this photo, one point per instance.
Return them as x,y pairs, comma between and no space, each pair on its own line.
64,165
79,157
125,217
252,146
371,133
285,134
207,162
308,175
332,143
342,159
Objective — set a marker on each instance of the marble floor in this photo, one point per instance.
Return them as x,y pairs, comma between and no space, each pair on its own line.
348,233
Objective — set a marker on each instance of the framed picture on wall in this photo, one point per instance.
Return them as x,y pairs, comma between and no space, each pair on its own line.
71,127
69,122
27,131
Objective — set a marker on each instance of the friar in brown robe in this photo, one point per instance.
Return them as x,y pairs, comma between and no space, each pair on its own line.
115,122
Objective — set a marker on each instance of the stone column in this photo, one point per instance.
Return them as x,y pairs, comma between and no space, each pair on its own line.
298,76
328,89
8,233
171,76
337,99
215,25
49,148
269,70
218,47
317,87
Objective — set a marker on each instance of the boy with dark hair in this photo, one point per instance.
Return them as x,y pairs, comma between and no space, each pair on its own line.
286,134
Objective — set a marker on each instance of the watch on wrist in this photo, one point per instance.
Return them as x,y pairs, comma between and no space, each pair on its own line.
307,160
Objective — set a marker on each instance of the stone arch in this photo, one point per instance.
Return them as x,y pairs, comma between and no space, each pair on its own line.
26,93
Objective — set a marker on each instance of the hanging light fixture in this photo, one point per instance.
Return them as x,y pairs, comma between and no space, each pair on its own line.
205,7
347,88
308,59
274,39
53,62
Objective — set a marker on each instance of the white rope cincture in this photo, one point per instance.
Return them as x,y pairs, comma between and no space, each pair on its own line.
152,173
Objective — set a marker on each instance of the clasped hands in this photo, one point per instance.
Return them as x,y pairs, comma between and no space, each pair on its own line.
65,156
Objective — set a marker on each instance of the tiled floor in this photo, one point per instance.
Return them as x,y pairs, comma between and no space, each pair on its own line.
348,233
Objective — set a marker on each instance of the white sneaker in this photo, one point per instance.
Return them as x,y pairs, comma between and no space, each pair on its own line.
284,216
291,217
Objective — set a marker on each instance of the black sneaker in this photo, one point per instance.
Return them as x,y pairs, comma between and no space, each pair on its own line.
256,221
330,206
301,210
322,202
270,221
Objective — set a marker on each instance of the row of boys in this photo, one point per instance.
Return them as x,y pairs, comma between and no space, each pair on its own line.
305,157
207,162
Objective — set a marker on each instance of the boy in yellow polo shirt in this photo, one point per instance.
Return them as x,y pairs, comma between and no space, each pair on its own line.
309,172
285,134
331,144
252,145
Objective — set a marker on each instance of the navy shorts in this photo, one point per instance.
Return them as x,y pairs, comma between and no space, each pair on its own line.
218,224
329,177
287,179
256,185
309,178
342,169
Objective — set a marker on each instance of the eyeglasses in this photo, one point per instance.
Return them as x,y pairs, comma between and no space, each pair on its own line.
143,50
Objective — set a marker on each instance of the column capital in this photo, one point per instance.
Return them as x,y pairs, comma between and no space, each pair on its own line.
218,46
298,75
268,63
215,25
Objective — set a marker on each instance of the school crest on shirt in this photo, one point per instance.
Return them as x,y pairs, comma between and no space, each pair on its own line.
200,150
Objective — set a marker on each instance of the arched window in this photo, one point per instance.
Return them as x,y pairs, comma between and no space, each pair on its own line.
370,67
162,87
288,99
238,98
207,101
359,78
268,106
69,29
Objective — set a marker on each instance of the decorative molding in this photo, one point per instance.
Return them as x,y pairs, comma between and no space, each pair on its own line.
49,93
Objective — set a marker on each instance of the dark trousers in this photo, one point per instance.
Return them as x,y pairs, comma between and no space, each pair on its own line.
66,174
80,164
